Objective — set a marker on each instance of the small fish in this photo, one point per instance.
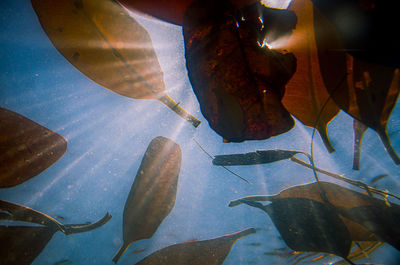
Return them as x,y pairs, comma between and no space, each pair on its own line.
138,251
64,261
188,241
378,178
59,217
254,244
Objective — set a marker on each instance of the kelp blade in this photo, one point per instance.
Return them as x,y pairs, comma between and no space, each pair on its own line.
238,84
366,218
253,158
22,244
26,148
153,193
308,225
106,44
306,96
213,251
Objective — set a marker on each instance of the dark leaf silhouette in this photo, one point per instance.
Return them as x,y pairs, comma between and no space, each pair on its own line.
210,252
253,158
16,212
20,245
238,82
153,192
359,130
368,32
308,225
365,90
109,46
306,96
367,218
26,148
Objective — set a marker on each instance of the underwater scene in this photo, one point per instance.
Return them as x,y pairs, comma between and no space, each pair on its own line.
235,132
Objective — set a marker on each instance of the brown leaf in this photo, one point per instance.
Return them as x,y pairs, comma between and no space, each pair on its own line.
153,192
238,83
306,96
26,148
210,252
110,47
339,197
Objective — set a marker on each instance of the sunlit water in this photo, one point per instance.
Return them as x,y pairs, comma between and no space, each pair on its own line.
107,135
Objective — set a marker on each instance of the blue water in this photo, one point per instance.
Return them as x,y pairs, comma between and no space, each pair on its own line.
108,134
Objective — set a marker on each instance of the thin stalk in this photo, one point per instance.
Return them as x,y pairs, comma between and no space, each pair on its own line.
357,183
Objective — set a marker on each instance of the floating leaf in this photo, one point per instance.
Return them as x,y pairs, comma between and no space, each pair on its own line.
253,158
367,218
210,252
22,244
153,192
110,47
26,148
366,91
359,130
16,212
308,225
238,83
306,96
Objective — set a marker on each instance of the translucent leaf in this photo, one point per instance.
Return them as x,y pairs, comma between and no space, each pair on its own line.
153,192
306,96
110,47
26,148
212,251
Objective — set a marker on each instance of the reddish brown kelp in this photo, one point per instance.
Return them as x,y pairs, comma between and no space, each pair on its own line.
238,81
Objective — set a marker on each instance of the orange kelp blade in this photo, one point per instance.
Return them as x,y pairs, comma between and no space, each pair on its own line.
106,44
22,244
238,82
359,130
16,212
367,91
308,225
213,251
153,192
306,96
26,148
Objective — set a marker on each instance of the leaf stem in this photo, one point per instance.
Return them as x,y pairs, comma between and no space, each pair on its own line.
170,103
